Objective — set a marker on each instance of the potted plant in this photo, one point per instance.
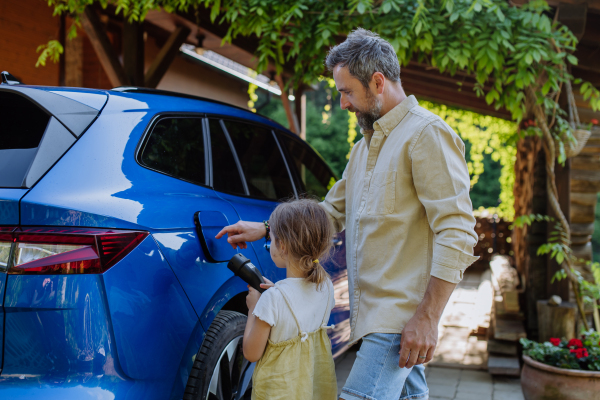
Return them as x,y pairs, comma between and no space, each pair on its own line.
561,369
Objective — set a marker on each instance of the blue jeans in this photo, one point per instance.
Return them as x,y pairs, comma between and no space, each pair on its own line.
376,375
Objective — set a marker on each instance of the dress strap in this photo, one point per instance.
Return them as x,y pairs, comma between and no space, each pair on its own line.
324,322
302,333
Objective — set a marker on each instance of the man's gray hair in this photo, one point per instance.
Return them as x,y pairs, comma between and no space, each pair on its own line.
365,53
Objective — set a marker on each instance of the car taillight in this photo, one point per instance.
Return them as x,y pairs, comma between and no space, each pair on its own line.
5,245
56,251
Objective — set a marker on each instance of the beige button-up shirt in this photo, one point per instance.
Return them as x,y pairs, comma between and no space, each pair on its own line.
404,202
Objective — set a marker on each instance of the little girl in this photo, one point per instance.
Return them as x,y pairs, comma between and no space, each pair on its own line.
286,330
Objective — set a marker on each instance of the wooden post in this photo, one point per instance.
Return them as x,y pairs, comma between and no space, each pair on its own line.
556,321
563,184
62,34
74,62
106,53
293,124
165,56
133,52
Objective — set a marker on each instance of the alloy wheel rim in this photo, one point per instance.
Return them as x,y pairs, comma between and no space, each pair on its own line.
232,377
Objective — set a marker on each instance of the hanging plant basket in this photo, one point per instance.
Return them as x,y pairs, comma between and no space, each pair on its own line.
582,136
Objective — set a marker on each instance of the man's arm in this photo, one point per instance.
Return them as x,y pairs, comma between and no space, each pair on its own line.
242,232
420,335
442,183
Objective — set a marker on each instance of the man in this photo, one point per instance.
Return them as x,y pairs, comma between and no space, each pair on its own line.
404,202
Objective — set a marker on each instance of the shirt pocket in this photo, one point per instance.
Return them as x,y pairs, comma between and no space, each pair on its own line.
382,193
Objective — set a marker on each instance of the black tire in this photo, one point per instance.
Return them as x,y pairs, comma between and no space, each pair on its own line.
220,371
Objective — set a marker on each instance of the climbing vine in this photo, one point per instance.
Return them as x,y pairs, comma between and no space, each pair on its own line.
486,135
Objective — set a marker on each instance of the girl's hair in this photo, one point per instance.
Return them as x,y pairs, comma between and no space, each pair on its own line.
303,228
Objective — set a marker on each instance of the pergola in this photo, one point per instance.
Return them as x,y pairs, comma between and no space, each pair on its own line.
578,181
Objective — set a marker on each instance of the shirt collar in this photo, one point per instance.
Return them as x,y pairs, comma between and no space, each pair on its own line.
392,118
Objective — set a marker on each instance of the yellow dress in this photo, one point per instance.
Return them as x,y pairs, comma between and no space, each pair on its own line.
300,368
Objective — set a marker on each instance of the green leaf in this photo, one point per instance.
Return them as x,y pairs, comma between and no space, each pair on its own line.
386,8
572,59
418,28
215,10
500,14
361,8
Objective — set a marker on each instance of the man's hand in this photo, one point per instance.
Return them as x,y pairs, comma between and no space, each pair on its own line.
418,341
420,335
242,232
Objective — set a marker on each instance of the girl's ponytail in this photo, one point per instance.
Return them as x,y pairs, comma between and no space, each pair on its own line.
304,229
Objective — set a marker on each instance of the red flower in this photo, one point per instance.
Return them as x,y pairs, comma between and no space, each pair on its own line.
579,353
594,121
575,342
555,341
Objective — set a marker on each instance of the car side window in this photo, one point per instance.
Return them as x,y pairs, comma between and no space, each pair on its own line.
261,160
314,174
226,176
176,147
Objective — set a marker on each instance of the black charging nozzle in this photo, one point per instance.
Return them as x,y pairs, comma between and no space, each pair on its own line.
242,267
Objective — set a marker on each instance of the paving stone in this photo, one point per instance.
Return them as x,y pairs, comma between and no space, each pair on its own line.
443,391
512,386
501,395
460,395
475,376
475,387
444,376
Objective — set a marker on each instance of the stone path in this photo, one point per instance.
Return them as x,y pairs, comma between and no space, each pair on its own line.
457,371
451,383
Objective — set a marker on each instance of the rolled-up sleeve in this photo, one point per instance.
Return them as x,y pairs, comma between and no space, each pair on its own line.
335,203
441,179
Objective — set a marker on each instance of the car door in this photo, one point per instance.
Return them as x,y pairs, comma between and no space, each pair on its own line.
265,177
314,178
176,146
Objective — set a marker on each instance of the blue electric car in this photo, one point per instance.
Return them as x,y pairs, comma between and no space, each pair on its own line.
112,285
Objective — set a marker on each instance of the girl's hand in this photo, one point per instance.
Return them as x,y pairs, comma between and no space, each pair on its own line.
252,299
267,285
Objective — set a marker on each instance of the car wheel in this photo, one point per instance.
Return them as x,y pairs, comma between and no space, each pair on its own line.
220,371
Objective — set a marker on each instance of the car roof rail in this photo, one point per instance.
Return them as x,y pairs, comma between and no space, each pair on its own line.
8,79
144,90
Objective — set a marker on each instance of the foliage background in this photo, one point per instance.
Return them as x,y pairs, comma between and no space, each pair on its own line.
489,152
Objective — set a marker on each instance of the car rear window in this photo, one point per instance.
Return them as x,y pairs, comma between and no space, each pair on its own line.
22,126
261,160
175,147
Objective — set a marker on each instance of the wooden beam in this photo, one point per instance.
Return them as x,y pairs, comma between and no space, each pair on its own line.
133,52
573,16
166,56
104,50
292,122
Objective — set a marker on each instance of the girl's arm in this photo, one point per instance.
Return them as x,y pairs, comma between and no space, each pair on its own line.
257,331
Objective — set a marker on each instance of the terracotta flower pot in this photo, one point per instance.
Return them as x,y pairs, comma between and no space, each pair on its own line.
544,382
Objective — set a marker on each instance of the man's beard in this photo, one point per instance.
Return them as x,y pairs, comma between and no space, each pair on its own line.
367,118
